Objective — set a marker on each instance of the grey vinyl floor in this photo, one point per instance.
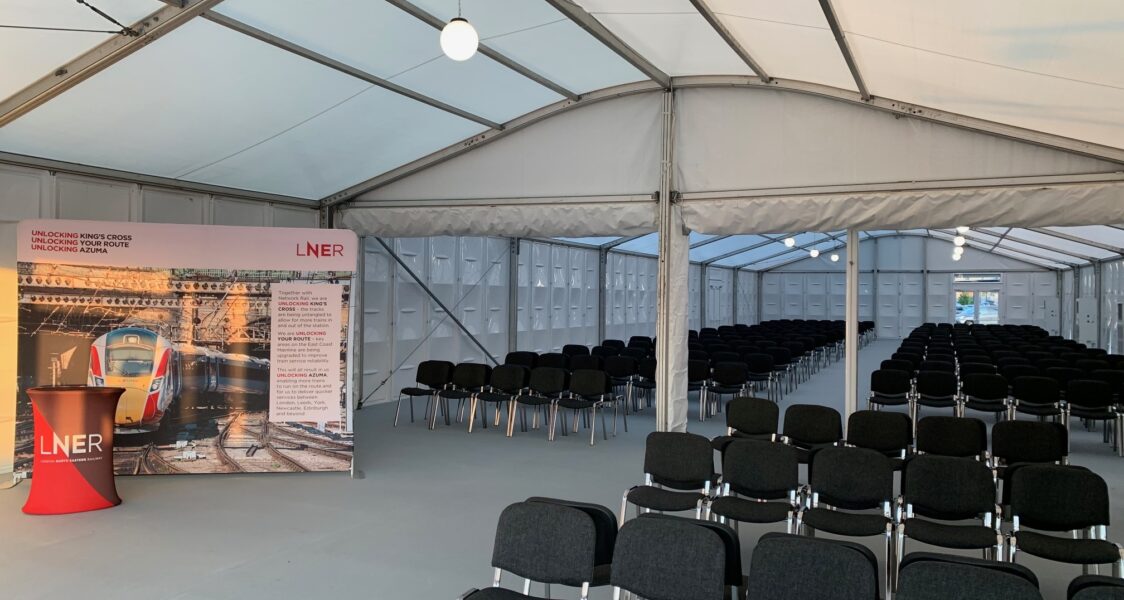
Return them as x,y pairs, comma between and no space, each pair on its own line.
418,524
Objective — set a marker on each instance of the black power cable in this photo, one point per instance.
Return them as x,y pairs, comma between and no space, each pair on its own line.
125,29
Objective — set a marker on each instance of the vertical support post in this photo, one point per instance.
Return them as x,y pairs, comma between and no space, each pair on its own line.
924,280
702,295
359,310
851,403
737,298
757,295
672,297
874,287
602,295
1098,292
513,294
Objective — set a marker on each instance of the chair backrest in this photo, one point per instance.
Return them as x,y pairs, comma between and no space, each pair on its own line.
679,460
730,373
509,378
669,559
760,469
899,365
1012,372
951,436
1089,393
883,431
1063,375
434,373
1035,389
605,351
794,567
585,361
589,383
984,386
852,478
613,343
755,416
698,370
620,366
938,365
890,382
758,362
646,368
1058,498
548,381
927,576
729,539
1029,442
553,359
575,350
1096,587
938,384
522,357
545,542
637,353
948,488
812,424
604,522
470,376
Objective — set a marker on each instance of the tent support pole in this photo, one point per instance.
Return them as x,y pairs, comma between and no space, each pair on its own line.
602,295
852,343
702,296
513,294
737,299
672,298
452,317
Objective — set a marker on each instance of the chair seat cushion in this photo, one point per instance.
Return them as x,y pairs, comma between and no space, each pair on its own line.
1067,550
936,402
962,537
576,403
750,511
494,397
1097,414
724,389
719,443
1037,409
655,498
845,523
416,391
493,593
533,400
804,452
992,406
454,394
1096,587
901,400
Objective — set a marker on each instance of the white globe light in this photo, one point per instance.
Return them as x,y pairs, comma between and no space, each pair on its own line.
790,242
958,250
956,257
959,240
459,39
814,252
834,258
962,230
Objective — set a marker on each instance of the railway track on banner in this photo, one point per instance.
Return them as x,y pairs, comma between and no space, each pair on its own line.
142,460
220,444
301,451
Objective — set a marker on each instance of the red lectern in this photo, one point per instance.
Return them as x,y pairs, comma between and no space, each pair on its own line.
73,466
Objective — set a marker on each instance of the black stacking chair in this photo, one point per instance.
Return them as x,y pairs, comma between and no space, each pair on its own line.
962,437
734,579
928,576
889,387
698,375
622,372
1095,587
794,567
1015,371
851,479
546,385
1036,396
605,525
543,542
635,353
604,351
782,367
760,484
935,389
613,343
1063,375
1062,499
808,427
522,358
669,558
1093,400
433,375
939,489
984,392
589,390
1015,444
646,377
727,378
555,360
974,368
760,368
575,350
937,365
749,418
585,361
678,474
890,433
467,380
898,365
506,382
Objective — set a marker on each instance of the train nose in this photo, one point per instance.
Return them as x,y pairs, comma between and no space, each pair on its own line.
130,409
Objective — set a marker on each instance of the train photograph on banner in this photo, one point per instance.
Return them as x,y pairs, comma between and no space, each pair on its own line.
156,374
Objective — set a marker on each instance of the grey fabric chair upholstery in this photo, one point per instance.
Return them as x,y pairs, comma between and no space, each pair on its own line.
887,432
506,382
760,484
808,427
1096,587
669,559
734,578
952,436
791,567
432,376
544,542
926,576
678,474
605,527
748,418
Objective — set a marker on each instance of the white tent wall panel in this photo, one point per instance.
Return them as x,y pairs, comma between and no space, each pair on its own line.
719,296
694,281
1088,314
39,194
1068,304
747,297
736,139
557,296
1112,306
630,288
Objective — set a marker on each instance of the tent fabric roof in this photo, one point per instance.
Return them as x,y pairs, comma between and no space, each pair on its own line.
305,99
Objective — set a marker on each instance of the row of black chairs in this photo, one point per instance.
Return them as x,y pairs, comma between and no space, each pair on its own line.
548,541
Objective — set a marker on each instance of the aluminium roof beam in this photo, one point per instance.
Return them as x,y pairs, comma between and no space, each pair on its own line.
101,57
787,250
594,27
1077,240
709,240
431,20
731,41
974,236
316,57
844,47
732,253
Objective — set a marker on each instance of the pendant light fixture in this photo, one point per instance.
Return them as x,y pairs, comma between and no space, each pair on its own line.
790,241
834,257
459,39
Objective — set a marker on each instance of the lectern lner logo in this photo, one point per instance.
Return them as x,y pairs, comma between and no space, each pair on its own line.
66,445
319,250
